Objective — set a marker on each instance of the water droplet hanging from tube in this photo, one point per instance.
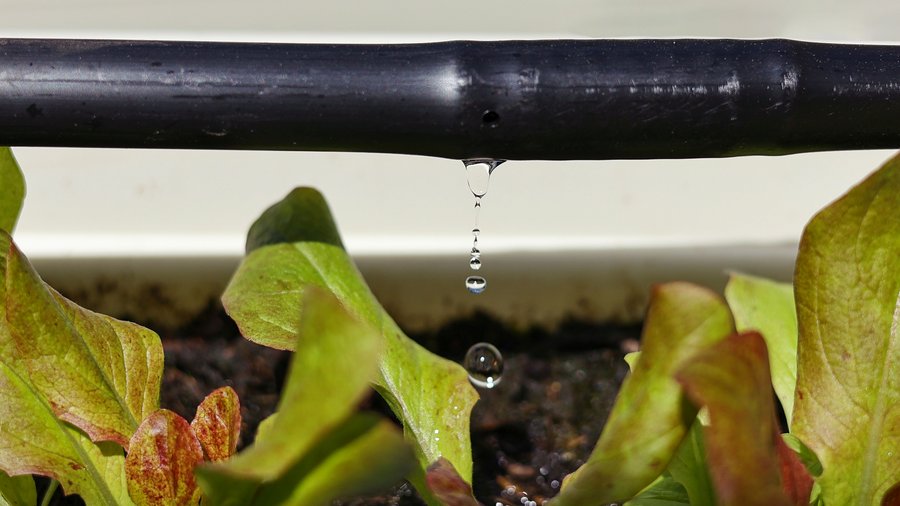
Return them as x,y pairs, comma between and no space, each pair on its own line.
478,177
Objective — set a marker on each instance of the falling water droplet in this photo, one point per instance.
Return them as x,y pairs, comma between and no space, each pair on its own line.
476,284
475,263
485,365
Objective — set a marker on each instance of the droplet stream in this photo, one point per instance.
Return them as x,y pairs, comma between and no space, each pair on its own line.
478,177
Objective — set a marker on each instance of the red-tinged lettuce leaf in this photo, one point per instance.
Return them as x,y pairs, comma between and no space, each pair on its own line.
650,417
217,424
12,190
313,432
295,246
892,496
34,441
732,381
795,477
447,485
161,460
99,374
768,308
17,490
847,404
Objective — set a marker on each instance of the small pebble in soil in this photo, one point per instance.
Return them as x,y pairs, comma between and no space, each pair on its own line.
485,365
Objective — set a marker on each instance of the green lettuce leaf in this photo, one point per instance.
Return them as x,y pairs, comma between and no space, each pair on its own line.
17,490
689,468
665,491
314,430
34,441
650,417
347,469
295,246
97,373
847,403
768,307
12,194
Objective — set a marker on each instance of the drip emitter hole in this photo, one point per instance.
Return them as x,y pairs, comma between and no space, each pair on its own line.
490,118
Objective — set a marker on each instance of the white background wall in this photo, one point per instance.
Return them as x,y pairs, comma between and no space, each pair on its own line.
88,203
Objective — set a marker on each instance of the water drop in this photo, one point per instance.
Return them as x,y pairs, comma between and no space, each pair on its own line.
475,263
476,284
478,174
475,232
485,365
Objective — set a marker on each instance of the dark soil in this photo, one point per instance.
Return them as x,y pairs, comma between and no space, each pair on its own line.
539,424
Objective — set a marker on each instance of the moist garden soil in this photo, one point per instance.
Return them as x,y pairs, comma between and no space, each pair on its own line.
539,424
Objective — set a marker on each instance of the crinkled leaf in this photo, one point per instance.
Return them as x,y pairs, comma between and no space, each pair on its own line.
310,434
732,381
161,461
650,418
295,246
217,423
689,468
17,490
666,491
847,404
34,441
12,190
100,374
768,307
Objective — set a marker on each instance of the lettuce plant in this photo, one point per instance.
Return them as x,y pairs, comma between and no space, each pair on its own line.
79,404
696,421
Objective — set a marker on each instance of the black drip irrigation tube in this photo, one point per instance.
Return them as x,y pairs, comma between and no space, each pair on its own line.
553,100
